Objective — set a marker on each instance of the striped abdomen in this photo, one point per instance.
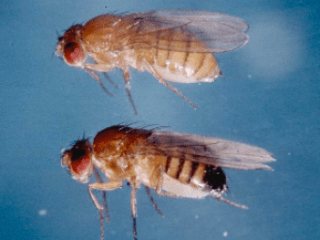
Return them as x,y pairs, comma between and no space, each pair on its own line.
196,174
179,57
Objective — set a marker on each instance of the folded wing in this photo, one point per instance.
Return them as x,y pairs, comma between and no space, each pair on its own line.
208,150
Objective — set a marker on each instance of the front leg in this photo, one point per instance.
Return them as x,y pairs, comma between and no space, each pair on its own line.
96,77
102,187
99,67
109,186
92,68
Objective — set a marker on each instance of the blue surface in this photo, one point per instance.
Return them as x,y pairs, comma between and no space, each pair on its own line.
268,96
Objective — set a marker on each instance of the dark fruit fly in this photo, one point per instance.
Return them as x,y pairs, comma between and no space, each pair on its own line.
174,164
173,45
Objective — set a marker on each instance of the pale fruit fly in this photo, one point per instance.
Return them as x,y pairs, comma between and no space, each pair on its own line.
173,45
174,164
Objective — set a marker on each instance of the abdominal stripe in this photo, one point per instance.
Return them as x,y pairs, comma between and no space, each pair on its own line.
181,169
157,44
193,170
168,164
181,163
174,166
204,56
187,51
169,44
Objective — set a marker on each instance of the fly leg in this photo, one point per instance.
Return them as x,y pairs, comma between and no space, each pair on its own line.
168,85
92,67
109,186
104,197
134,210
153,202
126,76
237,205
110,80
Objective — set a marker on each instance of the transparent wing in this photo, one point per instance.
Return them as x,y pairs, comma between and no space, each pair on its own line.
181,30
208,150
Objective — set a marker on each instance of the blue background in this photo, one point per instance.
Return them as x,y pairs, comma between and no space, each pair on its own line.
268,96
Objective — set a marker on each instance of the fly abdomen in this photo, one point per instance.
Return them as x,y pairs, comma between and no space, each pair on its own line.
215,178
196,174
173,167
178,168
175,54
208,69
208,177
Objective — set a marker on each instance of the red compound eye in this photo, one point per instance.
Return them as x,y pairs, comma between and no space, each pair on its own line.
73,53
80,165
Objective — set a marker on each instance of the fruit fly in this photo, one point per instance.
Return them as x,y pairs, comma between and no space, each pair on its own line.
174,164
173,45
